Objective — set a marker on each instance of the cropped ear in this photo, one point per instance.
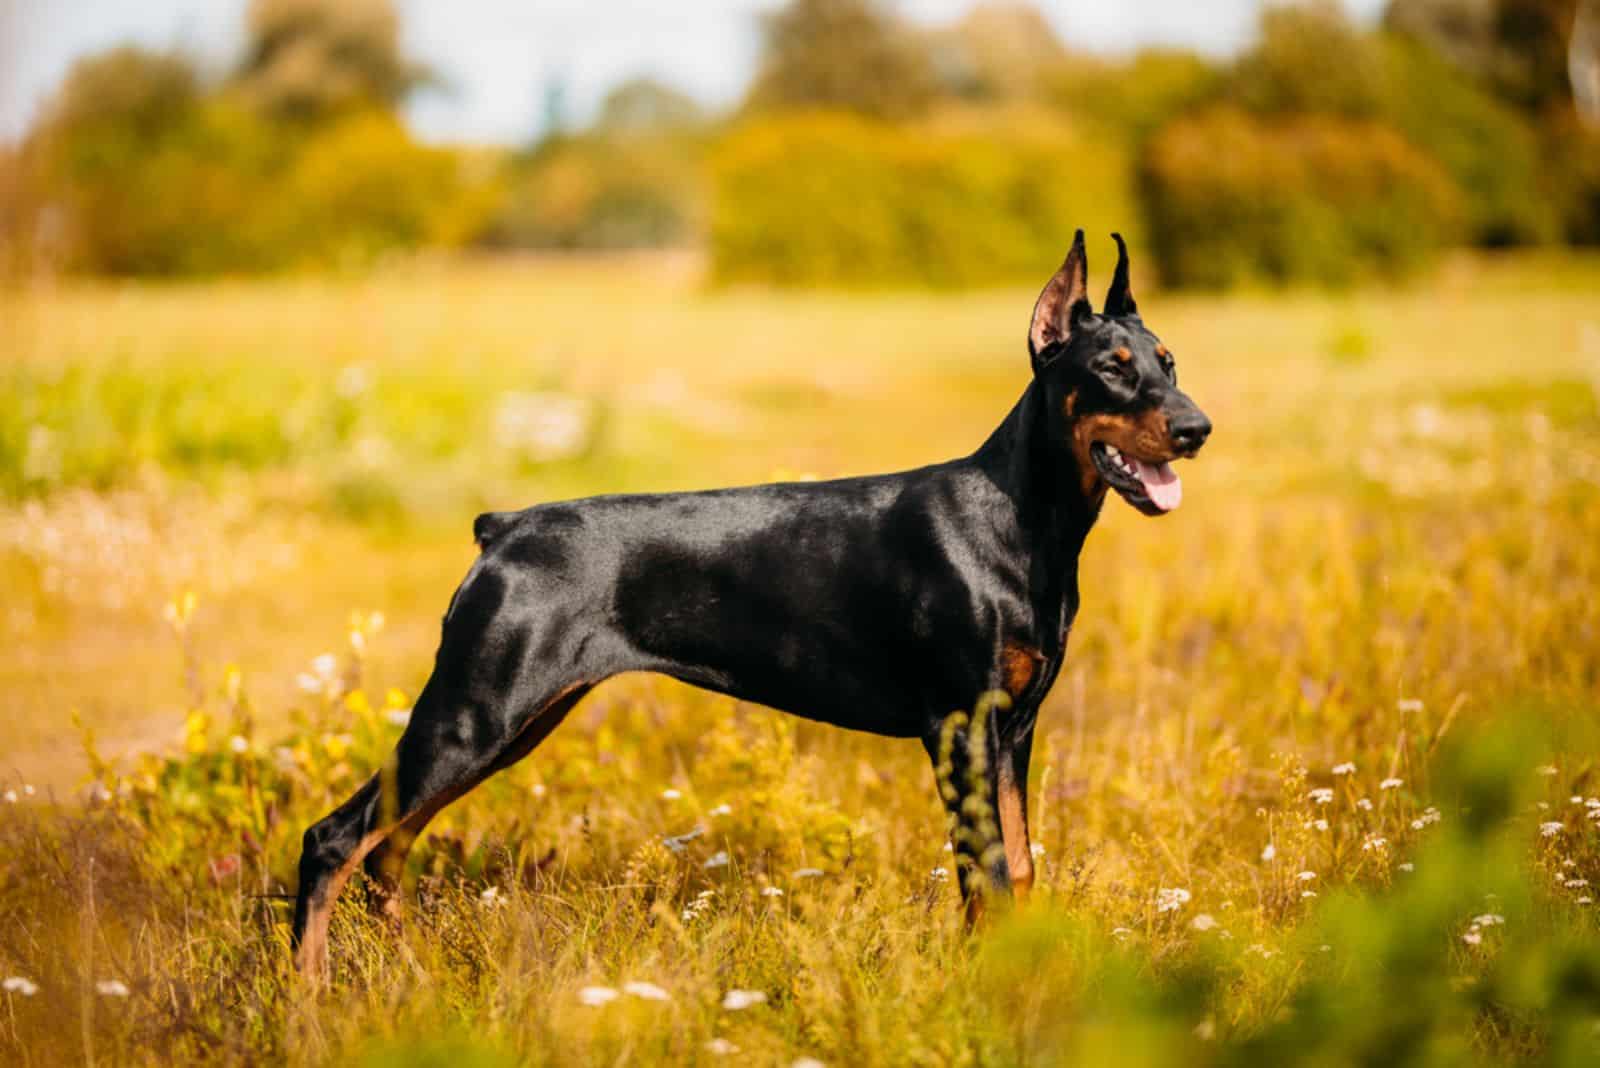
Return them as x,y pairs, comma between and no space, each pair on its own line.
1119,298
1062,305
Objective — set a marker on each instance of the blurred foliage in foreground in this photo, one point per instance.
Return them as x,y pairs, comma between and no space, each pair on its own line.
867,151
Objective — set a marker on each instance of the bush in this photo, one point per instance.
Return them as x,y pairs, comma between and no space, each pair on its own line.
1313,61
1488,150
830,198
1311,199
1134,99
603,191
363,187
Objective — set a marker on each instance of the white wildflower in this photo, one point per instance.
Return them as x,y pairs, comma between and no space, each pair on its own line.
1206,1029
27,789
1409,704
1308,893
1364,804
16,984
1576,884
1545,769
1374,843
10,797
325,665
239,743
1322,795
806,1062
1306,876
719,859
398,717
1269,852
1488,919
739,1000
538,789
1261,951
1121,933
1585,899
491,896
1391,783
771,891
1203,922
1171,899
669,794
646,991
939,875
1320,825
807,873
596,996
111,988
1472,937
308,683
1347,768
1036,850
723,809
1406,866
721,1047
1551,828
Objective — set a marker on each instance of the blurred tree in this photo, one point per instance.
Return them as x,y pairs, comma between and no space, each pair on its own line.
1583,62
1460,30
1519,47
644,105
1532,36
850,54
141,93
307,59
996,50
1310,58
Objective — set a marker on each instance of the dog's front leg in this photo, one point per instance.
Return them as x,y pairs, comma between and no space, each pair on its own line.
965,752
1012,802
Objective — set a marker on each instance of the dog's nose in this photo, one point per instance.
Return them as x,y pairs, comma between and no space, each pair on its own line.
1189,430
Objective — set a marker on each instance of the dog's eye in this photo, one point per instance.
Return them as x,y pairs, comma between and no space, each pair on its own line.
1119,372
1170,366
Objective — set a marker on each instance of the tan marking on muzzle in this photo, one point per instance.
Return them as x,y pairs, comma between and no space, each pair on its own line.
1142,435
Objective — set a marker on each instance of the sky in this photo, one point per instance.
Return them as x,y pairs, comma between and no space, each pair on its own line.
497,58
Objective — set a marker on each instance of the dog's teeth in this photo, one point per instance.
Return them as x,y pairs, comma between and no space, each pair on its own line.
1111,450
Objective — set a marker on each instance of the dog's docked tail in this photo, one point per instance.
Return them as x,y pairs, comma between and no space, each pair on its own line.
488,527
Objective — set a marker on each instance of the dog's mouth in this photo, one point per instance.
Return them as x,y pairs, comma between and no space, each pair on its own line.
1154,489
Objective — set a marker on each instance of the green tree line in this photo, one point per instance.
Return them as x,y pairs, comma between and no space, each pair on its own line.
866,152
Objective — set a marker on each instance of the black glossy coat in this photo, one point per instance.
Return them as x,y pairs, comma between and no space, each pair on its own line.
884,604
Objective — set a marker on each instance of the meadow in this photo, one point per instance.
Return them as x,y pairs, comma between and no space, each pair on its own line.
1320,783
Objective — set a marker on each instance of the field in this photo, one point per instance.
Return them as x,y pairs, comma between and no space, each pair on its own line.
1315,787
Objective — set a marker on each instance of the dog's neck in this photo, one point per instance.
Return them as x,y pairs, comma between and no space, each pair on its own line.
1041,477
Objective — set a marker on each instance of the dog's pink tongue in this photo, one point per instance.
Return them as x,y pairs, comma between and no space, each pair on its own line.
1161,485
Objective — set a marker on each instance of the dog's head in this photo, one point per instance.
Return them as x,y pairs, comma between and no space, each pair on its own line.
1111,388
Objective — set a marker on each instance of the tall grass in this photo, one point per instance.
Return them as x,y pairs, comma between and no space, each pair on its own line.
1314,787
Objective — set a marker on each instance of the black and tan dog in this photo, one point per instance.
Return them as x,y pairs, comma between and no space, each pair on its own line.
882,604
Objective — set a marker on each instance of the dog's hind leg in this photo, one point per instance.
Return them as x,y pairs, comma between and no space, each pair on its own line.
438,759
385,865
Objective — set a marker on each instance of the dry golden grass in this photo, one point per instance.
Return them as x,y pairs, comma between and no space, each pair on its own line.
1391,546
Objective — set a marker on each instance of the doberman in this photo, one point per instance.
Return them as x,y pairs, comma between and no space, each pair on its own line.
882,603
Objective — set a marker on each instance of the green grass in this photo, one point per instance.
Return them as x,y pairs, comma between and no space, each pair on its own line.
1387,555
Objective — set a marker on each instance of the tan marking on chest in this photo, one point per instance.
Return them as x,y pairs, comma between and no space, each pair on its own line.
1019,666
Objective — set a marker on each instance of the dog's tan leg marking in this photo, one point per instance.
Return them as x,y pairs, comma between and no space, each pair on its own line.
1014,831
